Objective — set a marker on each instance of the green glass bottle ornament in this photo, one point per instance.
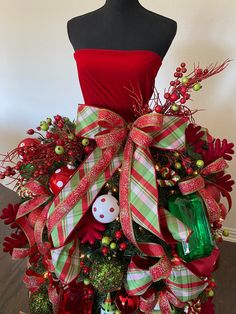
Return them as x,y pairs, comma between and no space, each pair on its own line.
190,209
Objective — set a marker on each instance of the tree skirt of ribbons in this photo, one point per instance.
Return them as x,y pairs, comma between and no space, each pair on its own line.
121,218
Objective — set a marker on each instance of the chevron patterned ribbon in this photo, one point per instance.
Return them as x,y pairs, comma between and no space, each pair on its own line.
117,144
197,184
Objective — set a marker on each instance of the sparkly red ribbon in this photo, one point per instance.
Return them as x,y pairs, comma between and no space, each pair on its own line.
197,184
34,280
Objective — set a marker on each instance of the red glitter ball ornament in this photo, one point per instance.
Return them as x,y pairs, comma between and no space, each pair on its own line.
127,304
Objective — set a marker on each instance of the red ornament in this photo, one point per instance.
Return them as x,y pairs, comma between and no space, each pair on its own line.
118,234
158,109
123,246
105,250
59,179
127,304
27,142
174,97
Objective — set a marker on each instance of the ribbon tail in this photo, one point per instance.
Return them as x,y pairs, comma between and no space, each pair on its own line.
177,228
66,261
76,197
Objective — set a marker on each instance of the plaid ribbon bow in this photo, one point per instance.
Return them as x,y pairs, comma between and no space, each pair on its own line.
182,284
117,144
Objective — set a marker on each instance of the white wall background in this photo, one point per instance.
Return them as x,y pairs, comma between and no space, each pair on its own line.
38,75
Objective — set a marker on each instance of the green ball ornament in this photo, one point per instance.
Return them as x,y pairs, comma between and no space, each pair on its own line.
175,107
59,150
185,80
71,136
44,126
178,165
106,275
200,163
86,281
106,240
197,87
225,233
49,121
39,303
85,142
113,246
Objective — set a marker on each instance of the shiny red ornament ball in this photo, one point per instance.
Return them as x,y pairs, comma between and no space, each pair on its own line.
127,304
59,179
28,142
118,234
123,246
158,109
174,97
105,250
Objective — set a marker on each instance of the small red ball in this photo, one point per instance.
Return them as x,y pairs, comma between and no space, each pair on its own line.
30,132
86,270
183,64
105,250
189,171
182,101
57,118
174,97
167,95
178,69
118,234
87,149
172,83
184,70
123,246
158,109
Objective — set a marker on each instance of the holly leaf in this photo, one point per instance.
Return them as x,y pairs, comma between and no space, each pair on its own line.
224,180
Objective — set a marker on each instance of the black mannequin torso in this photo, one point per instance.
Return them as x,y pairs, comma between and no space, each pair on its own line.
124,25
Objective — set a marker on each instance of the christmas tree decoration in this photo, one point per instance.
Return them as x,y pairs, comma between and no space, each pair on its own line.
129,210
191,211
106,274
105,208
108,307
39,303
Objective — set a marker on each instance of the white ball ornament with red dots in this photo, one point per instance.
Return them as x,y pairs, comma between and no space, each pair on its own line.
105,209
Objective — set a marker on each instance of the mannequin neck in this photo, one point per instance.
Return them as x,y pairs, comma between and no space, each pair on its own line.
120,5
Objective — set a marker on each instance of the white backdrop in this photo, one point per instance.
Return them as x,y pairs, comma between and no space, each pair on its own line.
38,75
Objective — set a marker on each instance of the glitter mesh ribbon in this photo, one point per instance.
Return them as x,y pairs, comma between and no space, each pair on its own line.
197,184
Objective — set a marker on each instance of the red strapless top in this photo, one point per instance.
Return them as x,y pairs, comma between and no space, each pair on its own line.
114,79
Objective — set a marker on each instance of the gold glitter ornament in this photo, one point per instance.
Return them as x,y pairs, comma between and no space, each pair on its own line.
39,303
106,275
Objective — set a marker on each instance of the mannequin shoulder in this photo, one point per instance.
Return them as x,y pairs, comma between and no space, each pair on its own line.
82,19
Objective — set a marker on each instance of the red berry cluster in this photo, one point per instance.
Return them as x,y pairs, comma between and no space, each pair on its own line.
113,246
39,156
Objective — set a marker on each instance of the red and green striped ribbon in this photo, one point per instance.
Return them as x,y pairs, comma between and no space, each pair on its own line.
112,134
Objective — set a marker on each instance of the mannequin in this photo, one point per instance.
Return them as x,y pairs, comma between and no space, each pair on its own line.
122,25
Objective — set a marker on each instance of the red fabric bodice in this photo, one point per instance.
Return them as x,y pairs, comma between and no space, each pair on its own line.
114,79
